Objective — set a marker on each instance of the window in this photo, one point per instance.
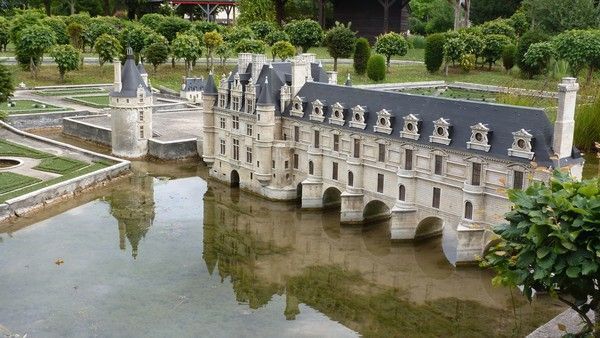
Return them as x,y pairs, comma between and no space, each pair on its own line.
311,168
356,148
249,154
518,181
296,161
476,174
438,164
381,157
235,103
350,179
317,138
250,106
141,131
141,116
235,122
334,174
222,122
236,150
380,183
437,192
222,99
286,164
273,164
468,210
249,129
402,193
336,142
297,133
408,159
222,142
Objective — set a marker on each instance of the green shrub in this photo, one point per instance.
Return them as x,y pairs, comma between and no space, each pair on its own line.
250,46
587,128
376,67
434,51
416,41
539,55
467,62
416,26
525,41
508,57
362,53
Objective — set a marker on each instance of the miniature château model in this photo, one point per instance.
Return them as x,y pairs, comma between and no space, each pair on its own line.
131,109
283,131
192,89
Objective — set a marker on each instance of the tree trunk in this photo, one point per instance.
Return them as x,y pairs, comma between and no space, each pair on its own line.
389,62
280,11
107,7
590,74
72,6
335,64
32,67
172,62
62,75
47,5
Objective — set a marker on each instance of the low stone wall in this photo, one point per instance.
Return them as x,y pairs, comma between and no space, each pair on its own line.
32,201
43,120
89,132
173,150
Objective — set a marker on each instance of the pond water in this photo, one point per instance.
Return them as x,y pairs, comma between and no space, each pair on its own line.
168,253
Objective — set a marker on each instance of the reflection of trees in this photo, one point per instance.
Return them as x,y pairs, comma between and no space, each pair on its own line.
133,206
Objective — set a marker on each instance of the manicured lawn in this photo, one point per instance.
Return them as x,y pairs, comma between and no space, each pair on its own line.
60,165
69,92
10,181
475,95
29,106
8,148
94,101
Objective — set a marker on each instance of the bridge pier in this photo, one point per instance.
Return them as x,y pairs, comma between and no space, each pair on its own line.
312,192
352,208
404,222
470,244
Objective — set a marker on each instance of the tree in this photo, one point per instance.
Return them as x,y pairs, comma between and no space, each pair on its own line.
362,54
376,67
135,35
33,42
67,58
172,25
438,15
519,22
237,34
152,20
23,20
494,45
539,55
508,57
212,41
454,48
340,41
276,36
97,27
525,41
108,48
157,53
550,244
255,10
75,32
4,28
555,16
223,52
250,46
59,28
498,26
187,47
262,28
283,50
580,48
391,44
434,52
486,10
304,33
7,86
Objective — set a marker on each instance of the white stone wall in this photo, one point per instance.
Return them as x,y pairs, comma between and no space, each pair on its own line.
129,116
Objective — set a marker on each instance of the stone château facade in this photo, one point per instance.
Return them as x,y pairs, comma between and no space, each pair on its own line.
281,130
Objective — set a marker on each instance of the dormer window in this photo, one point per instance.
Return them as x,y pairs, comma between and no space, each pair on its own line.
411,127
297,107
479,138
441,132
384,122
317,113
337,115
358,117
521,146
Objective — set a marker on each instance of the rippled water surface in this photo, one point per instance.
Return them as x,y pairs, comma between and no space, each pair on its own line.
168,253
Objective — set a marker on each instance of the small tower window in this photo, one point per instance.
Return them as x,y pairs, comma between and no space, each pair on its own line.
350,179
402,193
437,194
311,168
142,131
468,210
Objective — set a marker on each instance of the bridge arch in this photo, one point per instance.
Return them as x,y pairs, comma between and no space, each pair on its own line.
234,179
375,211
332,198
429,227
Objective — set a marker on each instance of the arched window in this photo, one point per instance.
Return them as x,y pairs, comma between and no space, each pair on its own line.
402,193
311,168
350,179
468,210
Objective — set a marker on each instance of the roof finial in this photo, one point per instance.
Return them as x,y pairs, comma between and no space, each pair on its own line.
320,64
348,81
129,50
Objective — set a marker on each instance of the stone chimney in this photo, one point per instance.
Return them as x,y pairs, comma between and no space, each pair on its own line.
117,83
299,74
333,77
258,61
564,127
244,60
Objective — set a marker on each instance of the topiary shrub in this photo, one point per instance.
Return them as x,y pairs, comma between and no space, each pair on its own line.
508,57
525,41
416,41
376,67
467,62
434,51
362,53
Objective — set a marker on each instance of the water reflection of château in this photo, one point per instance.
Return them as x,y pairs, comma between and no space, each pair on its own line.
353,275
133,206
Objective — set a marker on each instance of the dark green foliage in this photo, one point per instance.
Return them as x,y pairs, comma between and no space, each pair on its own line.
416,41
4,30
199,28
66,57
376,67
304,33
434,52
262,28
486,10
587,128
391,44
525,41
500,27
24,20
59,28
340,41
172,25
508,57
156,54
362,53
555,16
152,20
7,86
250,46
31,45
416,26
550,243
276,36
494,45
237,34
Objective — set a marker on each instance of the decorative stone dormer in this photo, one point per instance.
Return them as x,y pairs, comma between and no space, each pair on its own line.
384,122
250,98
441,132
479,137
318,112
411,127
297,107
337,114
223,92
358,117
521,146
285,95
236,93
141,93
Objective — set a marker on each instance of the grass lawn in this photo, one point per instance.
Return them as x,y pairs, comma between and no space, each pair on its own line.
29,106
475,95
69,92
10,181
60,165
94,101
12,149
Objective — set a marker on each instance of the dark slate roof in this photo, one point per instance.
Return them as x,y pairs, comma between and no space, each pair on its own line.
266,97
194,84
210,88
131,79
502,120
141,68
